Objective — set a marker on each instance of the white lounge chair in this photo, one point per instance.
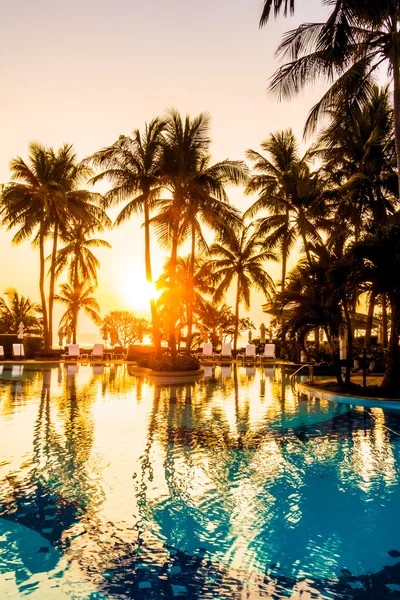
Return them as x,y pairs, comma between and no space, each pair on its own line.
250,353
73,352
18,351
1,352
207,350
226,352
97,352
269,352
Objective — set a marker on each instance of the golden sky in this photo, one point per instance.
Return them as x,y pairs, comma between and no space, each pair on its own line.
86,72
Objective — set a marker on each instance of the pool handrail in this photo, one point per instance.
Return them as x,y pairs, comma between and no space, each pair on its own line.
310,374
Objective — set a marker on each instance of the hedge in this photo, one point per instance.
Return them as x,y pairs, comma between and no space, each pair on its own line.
33,344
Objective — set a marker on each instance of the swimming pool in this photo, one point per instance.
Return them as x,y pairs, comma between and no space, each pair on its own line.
112,486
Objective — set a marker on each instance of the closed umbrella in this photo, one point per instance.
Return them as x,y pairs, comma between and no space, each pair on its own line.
250,337
20,336
61,335
69,335
262,333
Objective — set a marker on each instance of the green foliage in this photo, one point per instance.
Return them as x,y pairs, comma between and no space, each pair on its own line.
124,327
15,309
33,345
168,364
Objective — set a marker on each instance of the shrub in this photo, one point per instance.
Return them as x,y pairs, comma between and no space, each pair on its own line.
165,363
32,344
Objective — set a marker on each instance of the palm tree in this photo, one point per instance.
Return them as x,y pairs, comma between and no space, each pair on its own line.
359,161
132,165
197,195
358,157
15,308
42,195
290,192
72,201
239,256
377,262
76,299
76,256
357,39
191,289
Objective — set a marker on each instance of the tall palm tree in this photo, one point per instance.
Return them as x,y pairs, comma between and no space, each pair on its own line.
76,299
132,165
25,204
41,196
377,261
358,157
72,201
290,193
358,38
15,308
192,288
197,195
359,160
76,256
239,256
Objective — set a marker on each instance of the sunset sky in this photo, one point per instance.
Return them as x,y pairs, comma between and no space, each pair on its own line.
86,72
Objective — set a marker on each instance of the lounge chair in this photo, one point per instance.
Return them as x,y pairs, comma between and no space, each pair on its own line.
269,352
226,352
18,351
97,352
73,352
207,350
1,352
250,354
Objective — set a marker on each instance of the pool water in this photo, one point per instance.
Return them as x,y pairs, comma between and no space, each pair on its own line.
229,486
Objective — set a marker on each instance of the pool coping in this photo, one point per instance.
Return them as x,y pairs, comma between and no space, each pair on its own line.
348,398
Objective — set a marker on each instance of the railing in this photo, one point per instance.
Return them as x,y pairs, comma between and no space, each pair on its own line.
310,374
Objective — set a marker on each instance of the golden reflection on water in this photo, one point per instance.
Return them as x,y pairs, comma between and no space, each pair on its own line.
235,461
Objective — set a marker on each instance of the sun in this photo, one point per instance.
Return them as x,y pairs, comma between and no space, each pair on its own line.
138,293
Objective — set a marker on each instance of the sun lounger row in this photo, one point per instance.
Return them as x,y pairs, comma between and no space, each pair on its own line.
249,354
74,353
17,351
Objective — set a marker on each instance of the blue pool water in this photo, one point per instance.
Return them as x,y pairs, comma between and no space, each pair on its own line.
231,486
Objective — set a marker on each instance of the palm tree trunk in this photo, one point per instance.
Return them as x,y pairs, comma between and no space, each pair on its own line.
172,303
235,339
189,308
391,378
52,283
384,321
149,278
349,345
370,317
396,100
334,357
41,287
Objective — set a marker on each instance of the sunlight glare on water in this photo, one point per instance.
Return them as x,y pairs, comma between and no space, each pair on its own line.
114,486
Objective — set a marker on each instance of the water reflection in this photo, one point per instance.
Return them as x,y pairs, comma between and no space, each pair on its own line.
219,485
